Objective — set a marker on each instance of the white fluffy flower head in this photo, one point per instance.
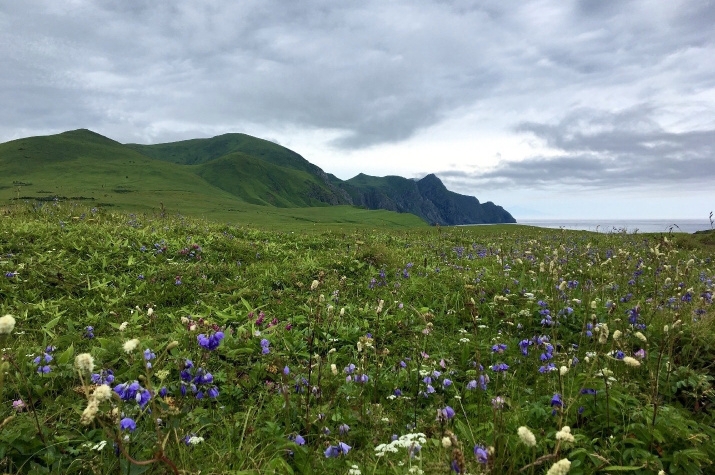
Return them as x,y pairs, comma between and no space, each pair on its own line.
131,345
7,324
526,436
84,362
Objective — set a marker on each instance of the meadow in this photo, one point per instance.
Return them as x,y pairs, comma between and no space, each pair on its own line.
157,343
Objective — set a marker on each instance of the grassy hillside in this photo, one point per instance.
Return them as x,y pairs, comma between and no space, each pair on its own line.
139,344
83,166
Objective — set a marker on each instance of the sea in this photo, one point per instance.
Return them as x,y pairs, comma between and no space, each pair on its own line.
628,226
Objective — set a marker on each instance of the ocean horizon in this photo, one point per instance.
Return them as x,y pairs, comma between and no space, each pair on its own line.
629,226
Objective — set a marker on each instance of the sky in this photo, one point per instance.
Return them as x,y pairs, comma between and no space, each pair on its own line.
552,109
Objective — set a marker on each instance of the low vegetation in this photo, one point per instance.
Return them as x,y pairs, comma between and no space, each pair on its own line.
164,344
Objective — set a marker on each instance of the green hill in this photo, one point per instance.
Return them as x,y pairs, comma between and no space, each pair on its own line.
83,166
219,177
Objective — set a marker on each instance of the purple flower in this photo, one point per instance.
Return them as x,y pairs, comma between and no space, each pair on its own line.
447,382
500,367
524,346
483,381
128,424
447,413
588,391
336,450
210,342
286,370
362,379
481,454
350,369
499,348
89,332
472,385
265,346
343,429
556,400
298,439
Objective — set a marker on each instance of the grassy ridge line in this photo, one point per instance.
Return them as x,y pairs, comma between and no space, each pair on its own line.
84,165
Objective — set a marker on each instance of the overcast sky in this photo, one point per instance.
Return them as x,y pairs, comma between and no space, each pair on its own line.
552,109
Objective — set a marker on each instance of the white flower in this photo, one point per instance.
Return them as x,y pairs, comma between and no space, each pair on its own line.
194,440
565,434
84,362
123,326
354,470
131,345
102,393
561,467
563,370
334,369
617,334
641,337
526,436
150,312
90,412
99,446
446,442
314,285
630,361
7,324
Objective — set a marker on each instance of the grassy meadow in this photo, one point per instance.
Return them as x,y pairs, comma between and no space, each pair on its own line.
157,343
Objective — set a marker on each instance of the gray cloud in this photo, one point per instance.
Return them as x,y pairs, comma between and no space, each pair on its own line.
374,72
595,149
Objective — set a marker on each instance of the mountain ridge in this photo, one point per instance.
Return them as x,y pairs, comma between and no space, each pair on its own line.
229,166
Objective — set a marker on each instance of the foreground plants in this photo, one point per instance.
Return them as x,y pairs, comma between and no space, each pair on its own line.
155,345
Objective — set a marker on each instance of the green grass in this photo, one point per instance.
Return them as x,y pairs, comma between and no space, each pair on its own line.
398,303
82,166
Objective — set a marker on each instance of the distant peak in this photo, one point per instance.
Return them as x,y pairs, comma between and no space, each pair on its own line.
432,180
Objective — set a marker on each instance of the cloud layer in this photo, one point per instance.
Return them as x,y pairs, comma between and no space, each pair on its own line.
601,94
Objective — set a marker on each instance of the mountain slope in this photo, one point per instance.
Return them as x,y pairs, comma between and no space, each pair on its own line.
223,174
428,198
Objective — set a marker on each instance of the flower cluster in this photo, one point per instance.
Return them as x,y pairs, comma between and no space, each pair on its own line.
133,392
210,342
198,381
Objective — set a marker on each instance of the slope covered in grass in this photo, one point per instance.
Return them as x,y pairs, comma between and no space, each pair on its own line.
232,349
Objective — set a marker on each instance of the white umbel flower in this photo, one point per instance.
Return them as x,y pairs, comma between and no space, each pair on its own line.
565,434
526,436
84,362
561,467
7,324
131,345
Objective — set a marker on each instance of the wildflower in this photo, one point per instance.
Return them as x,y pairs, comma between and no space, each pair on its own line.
123,326
446,413
84,363
563,370
481,454
133,391
148,356
46,358
446,442
500,367
350,369
130,345
128,424
264,346
640,354
343,429
90,412
446,382
103,377
561,467
89,332
556,400
472,385
210,342
617,334
641,337
19,405
498,402
526,436
7,324
336,450
314,285
298,439
286,370
102,393
354,470
630,361
565,434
